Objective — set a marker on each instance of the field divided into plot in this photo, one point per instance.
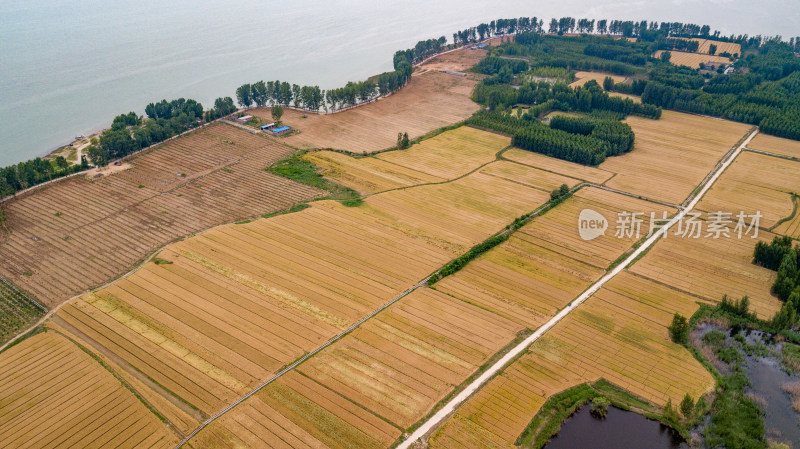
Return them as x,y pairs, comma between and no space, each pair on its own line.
619,334
672,155
380,379
709,268
757,183
225,309
441,158
52,394
214,315
578,171
81,233
545,264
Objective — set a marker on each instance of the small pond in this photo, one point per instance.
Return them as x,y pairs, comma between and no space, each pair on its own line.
619,430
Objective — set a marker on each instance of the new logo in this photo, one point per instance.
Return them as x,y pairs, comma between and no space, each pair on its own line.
591,224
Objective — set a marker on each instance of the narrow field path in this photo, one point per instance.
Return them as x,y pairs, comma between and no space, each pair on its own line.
768,153
470,389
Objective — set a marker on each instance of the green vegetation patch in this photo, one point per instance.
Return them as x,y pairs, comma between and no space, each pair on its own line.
298,169
17,311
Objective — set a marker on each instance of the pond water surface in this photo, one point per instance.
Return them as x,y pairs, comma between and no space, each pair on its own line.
619,430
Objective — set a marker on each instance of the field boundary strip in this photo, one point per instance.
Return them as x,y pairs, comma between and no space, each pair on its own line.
769,153
498,366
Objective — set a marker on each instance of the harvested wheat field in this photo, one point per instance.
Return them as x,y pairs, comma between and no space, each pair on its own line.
460,214
672,155
52,395
81,233
710,268
545,264
619,334
557,230
566,168
366,175
449,155
693,60
431,100
521,281
777,145
216,314
380,379
582,78
704,46
756,183
459,60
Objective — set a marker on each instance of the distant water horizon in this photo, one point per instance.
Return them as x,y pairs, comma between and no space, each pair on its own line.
68,66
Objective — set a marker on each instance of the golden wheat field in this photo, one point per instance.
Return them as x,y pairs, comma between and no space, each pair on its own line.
565,168
757,183
220,312
693,60
375,382
558,229
708,268
52,394
582,78
619,335
704,46
521,281
212,316
461,213
777,145
446,156
366,175
672,155
545,264
450,154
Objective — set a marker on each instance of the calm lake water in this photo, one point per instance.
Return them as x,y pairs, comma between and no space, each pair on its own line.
67,67
619,430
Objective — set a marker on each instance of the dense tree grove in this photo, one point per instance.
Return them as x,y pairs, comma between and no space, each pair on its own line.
616,52
222,107
530,134
313,98
584,98
570,52
780,256
619,136
129,133
35,171
677,76
492,65
774,106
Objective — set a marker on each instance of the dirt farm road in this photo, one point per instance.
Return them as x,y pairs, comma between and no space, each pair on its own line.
470,389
